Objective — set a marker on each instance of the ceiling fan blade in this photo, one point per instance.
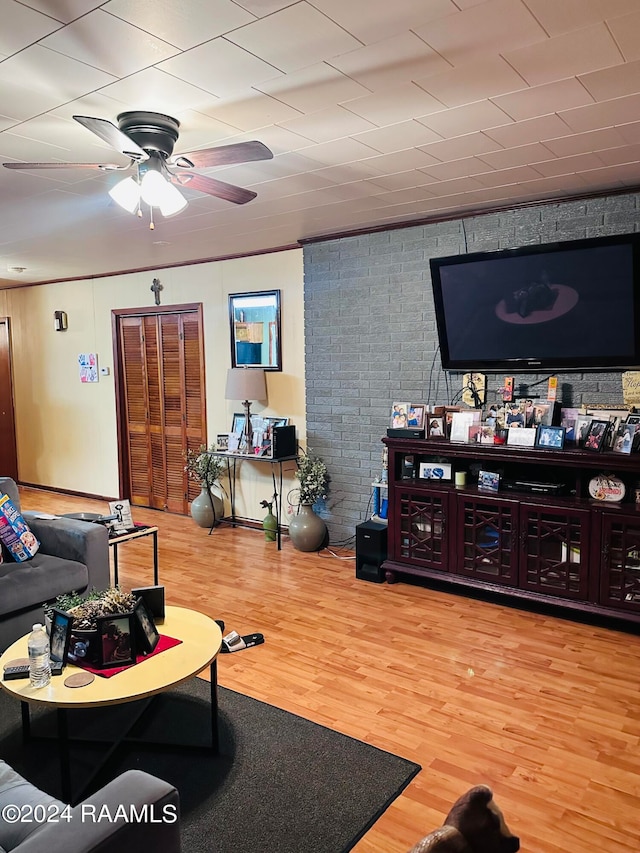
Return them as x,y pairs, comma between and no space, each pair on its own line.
224,155
220,189
104,167
113,136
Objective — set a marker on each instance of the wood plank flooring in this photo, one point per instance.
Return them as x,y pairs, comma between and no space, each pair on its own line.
544,710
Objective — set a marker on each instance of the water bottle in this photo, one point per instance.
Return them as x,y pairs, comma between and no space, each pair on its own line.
39,662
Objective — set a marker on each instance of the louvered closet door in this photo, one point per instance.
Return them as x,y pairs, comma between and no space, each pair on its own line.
164,374
136,409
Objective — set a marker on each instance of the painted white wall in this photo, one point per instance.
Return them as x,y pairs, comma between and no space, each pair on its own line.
66,430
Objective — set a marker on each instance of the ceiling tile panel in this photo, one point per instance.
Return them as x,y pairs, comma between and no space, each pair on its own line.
328,124
455,185
457,169
563,17
474,81
603,114
583,143
250,111
393,105
339,152
468,119
53,75
568,165
19,103
579,52
63,10
184,25
374,20
294,38
626,32
492,28
153,89
619,156
390,62
402,180
260,8
400,161
219,67
541,100
532,130
504,177
612,82
313,88
397,137
22,26
461,146
630,132
521,156
92,40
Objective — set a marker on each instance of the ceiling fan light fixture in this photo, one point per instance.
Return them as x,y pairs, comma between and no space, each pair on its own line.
126,193
173,201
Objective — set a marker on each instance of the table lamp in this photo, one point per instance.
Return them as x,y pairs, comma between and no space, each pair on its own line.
246,384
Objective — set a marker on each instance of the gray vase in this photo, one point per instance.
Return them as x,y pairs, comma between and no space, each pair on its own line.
203,512
307,530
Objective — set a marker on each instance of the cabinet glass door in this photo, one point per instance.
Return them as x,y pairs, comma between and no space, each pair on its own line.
620,568
554,551
422,530
487,529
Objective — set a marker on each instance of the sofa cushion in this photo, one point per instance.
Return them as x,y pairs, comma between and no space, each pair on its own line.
16,791
25,585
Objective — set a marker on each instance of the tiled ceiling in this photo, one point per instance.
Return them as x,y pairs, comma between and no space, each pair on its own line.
378,113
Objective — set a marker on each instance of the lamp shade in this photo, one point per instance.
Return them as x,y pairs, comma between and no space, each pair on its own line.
245,383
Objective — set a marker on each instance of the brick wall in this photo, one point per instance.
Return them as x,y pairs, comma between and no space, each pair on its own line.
370,333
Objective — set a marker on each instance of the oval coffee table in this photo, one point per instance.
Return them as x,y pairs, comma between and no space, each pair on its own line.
200,644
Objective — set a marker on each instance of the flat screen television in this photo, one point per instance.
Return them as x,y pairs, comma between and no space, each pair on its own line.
568,306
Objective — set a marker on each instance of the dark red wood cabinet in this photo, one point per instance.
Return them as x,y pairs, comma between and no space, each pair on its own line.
526,543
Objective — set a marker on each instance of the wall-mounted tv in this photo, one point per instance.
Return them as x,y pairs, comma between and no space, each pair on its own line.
561,306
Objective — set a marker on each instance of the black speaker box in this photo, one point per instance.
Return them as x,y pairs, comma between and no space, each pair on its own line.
371,551
405,432
153,597
284,442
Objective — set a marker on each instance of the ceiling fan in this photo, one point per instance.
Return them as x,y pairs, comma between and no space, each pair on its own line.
147,139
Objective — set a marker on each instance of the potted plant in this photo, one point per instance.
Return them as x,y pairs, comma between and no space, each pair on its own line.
307,530
205,468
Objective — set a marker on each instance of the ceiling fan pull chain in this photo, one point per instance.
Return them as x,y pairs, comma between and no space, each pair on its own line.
151,222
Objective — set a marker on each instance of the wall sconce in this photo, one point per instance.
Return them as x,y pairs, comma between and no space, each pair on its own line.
60,321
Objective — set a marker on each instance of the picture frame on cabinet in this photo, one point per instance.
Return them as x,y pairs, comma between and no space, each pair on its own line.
625,438
583,422
415,415
435,427
399,415
521,436
550,437
596,438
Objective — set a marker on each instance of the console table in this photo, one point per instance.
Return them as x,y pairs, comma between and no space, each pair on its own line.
544,539
139,531
276,475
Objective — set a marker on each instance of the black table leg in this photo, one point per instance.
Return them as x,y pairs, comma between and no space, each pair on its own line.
115,564
63,747
215,740
26,721
156,577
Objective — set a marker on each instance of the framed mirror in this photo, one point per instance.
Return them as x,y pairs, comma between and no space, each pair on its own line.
255,329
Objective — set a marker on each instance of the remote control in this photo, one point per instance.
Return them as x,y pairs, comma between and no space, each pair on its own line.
14,672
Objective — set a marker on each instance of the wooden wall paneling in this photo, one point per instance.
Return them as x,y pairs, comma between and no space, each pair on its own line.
8,450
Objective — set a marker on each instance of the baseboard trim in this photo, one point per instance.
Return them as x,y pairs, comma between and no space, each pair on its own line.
71,492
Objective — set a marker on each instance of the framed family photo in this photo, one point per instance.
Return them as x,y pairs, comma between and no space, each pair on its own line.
116,638
147,635
550,437
596,438
60,635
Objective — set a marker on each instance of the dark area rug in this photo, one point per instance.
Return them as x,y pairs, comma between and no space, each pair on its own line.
280,782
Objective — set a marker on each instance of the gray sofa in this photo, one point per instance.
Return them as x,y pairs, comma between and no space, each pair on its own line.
73,556
132,794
